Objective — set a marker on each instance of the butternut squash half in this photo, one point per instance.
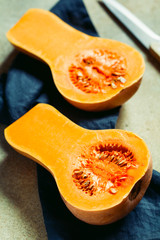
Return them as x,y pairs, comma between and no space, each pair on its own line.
101,174
91,73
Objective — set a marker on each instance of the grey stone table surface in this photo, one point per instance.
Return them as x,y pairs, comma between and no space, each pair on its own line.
20,210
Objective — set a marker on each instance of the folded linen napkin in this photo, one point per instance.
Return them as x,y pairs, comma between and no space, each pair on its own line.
29,82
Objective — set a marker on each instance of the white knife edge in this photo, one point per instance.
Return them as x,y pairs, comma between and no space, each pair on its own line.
144,34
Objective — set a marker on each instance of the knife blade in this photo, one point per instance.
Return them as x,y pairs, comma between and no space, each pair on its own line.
143,33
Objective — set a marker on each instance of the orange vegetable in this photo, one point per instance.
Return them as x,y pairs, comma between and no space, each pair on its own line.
101,174
91,73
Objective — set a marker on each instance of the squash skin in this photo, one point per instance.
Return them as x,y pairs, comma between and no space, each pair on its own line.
117,100
111,215
30,144
51,48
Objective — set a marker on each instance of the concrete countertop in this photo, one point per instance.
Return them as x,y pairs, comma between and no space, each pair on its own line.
20,210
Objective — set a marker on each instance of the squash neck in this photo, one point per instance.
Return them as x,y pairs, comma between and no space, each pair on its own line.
46,133
44,35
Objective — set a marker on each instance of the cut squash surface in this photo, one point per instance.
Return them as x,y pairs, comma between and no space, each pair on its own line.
101,174
91,73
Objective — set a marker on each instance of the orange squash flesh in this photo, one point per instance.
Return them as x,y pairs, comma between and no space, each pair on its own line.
43,35
101,174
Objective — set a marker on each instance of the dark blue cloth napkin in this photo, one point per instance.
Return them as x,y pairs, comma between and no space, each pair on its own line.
29,82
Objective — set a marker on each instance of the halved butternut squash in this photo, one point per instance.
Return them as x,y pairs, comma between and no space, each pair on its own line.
91,73
101,174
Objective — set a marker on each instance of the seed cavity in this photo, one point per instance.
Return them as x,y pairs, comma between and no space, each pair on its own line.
103,167
95,71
